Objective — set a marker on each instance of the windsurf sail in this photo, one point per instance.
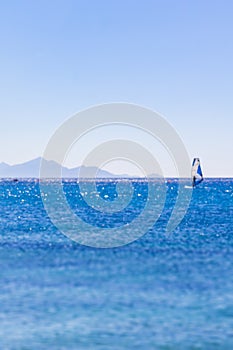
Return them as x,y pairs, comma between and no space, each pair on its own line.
197,176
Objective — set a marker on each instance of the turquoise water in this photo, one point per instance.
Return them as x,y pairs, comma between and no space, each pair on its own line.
155,293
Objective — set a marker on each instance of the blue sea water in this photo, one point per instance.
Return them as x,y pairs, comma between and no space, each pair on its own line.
158,292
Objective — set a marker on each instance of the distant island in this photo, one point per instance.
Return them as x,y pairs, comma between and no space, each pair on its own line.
31,169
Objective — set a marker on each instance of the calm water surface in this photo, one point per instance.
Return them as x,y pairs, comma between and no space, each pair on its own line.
155,293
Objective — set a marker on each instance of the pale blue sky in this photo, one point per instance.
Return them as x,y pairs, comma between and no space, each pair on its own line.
176,57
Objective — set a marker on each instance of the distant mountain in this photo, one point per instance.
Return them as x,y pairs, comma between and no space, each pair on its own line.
31,169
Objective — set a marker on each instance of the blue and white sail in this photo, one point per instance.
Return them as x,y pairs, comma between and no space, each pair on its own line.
197,176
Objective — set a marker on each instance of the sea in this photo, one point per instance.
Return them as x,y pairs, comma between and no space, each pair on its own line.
158,292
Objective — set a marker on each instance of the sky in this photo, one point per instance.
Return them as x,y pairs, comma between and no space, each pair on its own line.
174,57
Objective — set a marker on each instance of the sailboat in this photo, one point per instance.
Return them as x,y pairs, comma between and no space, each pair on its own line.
196,172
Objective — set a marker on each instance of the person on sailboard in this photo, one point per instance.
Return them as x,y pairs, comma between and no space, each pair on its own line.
197,176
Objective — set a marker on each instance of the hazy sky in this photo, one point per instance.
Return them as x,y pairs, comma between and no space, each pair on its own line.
175,57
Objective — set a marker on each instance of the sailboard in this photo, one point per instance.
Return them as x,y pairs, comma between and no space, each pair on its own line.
196,172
